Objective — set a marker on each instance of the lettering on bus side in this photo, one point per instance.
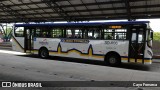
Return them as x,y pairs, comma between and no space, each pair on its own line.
43,42
111,42
74,41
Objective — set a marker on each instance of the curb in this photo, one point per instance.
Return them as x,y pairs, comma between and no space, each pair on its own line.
5,44
156,57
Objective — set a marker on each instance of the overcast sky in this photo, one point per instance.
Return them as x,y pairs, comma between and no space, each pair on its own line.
155,24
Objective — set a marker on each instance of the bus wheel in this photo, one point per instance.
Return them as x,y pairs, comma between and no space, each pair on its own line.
113,60
44,53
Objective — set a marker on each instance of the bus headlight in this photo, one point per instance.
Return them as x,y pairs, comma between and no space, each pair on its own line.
149,53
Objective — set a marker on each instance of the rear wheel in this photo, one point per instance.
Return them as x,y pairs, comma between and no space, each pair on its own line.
44,53
113,60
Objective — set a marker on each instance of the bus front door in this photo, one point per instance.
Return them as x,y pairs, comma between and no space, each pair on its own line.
29,32
137,44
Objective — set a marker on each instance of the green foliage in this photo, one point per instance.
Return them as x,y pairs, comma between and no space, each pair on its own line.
156,36
7,34
8,31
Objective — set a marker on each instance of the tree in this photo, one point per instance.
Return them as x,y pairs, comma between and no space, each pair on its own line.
156,36
7,34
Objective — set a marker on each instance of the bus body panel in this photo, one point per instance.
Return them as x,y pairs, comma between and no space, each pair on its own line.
95,49
148,54
18,43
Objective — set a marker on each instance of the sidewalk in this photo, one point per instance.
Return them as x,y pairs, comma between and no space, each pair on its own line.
156,57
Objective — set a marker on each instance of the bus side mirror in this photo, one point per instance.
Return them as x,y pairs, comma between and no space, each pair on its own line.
151,35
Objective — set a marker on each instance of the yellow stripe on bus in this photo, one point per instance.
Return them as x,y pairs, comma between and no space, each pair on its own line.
124,59
138,60
147,60
75,51
90,54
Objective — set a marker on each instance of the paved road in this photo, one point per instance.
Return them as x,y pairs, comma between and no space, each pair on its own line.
17,66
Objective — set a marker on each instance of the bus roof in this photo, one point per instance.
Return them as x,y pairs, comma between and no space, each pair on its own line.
82,24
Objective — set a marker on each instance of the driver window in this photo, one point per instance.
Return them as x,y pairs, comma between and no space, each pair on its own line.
140,36
134,35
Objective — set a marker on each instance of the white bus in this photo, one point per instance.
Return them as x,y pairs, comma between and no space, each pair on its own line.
112,42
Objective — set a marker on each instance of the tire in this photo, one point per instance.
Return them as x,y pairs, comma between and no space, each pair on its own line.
113,60
44,53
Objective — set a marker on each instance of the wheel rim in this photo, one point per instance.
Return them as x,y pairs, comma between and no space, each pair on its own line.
112,60
43,53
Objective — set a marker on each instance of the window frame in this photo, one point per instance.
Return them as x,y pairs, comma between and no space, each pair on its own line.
62,34
23,35
125,32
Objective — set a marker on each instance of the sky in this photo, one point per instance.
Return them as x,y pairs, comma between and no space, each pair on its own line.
155,24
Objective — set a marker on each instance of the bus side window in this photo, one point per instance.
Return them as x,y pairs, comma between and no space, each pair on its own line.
56,33
19,32
97,34
44,34
115,34
74,33
38,32
85,34
78,33
90,34
68,34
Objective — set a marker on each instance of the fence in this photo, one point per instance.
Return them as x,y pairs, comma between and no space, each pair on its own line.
156,47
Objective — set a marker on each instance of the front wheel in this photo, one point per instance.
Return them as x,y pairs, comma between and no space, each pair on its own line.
44,53
113,60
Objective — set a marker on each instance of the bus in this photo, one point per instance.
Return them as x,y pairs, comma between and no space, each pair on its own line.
111,42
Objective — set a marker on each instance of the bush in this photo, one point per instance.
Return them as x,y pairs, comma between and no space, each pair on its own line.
156,36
